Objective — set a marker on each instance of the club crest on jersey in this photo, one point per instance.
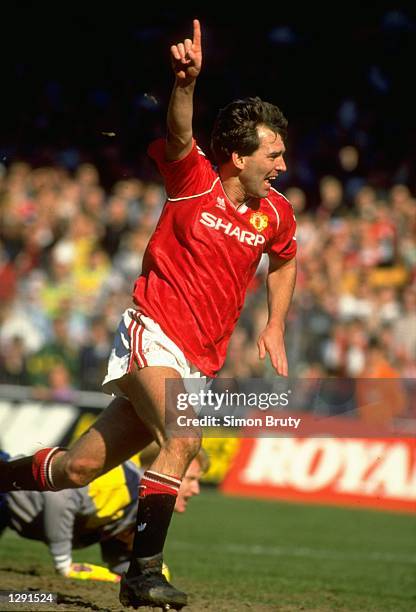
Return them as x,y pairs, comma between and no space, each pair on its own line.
259,220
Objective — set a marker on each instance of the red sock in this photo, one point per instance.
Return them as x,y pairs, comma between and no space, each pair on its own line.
42,468
154,483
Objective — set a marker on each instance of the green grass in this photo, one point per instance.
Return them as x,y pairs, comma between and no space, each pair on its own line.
279,556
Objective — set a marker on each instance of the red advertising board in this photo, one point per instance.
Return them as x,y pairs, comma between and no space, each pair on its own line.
374,472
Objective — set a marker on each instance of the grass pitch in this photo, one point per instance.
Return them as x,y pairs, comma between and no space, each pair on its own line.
240,554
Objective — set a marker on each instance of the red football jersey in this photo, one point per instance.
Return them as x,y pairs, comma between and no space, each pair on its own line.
203,255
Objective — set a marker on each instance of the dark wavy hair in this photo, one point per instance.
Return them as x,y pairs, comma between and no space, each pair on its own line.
235,127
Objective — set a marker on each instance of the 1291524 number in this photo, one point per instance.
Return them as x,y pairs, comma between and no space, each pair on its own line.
27,597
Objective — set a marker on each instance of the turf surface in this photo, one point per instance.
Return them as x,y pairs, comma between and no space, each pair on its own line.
239,554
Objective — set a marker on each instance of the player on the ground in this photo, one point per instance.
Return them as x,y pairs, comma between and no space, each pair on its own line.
214,228
103,512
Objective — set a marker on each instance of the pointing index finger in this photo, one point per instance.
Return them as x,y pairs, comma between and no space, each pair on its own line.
197,33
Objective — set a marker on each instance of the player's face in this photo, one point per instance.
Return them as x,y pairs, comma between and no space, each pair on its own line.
264,165
189,486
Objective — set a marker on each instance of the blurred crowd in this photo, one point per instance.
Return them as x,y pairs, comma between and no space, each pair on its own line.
354,308
70,252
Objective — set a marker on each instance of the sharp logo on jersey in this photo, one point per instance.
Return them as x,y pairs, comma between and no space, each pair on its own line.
220,203
259,220
228,228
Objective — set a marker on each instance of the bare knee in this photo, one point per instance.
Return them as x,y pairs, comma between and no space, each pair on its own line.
81,471
187,448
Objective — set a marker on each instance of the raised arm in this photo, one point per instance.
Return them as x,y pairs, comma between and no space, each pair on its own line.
186,63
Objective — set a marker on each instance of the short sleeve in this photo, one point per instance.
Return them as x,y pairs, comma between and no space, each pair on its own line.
283,245
189,176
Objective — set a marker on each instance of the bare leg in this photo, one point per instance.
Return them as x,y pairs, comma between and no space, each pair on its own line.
146,390
125,427
116,435
160,483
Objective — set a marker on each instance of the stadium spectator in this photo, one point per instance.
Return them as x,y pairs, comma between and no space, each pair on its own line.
16,320
332,204
13,367
59,350
93,356
8,276
116,224
59,283
58,387
380,392
404,326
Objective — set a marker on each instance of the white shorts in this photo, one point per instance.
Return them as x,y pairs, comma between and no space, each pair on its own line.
138,338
